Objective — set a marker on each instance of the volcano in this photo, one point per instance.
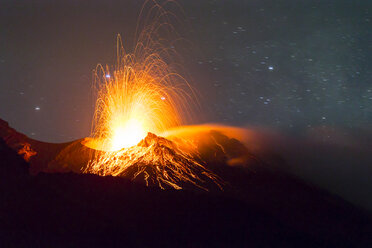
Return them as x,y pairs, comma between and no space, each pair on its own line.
156,161
52,195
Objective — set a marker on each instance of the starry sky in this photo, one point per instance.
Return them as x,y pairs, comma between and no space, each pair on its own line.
297,66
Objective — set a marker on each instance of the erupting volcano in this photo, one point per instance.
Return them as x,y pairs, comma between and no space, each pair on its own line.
143,95
143,92
139,101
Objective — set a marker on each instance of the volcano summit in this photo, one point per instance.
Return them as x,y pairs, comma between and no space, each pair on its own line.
157,162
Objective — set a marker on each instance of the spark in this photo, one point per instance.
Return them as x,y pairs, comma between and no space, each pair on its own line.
132,102
131,94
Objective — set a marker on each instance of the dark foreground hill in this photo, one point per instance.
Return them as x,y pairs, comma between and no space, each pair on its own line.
270,209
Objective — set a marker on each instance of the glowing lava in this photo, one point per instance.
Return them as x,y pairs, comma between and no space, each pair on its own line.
128,135
159,162
143,94
139,98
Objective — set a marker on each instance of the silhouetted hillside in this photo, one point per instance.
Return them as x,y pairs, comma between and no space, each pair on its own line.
71,210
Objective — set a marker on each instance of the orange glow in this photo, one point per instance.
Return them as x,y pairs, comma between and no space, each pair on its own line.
157,161
127,135
141,95
139,98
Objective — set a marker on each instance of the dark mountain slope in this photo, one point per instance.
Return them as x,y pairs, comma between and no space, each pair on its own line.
70,210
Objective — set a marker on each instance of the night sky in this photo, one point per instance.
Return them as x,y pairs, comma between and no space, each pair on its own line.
302,67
